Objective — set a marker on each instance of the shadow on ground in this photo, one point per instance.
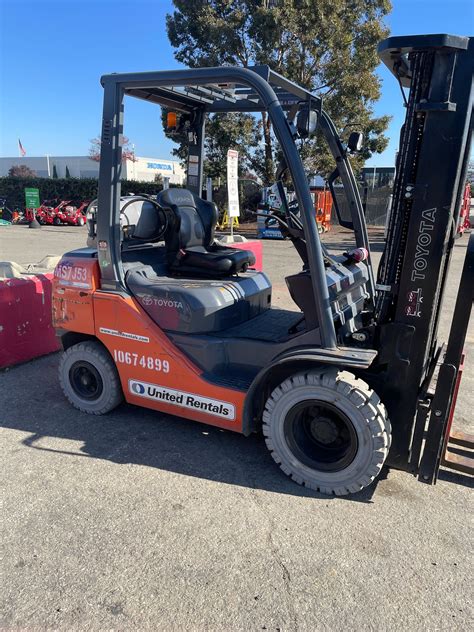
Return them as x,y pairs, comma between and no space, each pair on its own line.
457,479
142,437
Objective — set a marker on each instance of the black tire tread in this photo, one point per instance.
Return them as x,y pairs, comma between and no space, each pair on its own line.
98,356
363,397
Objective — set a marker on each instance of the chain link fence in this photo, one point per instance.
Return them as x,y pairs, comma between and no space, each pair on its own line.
376,202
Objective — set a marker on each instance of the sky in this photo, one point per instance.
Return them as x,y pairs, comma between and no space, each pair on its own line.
53,52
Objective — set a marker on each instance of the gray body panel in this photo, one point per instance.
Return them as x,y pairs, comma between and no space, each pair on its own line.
347,285
194,306
251,346
227,326
248,347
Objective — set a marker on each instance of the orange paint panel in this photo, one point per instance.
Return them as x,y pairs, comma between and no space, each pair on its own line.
75,281
323,205
154,373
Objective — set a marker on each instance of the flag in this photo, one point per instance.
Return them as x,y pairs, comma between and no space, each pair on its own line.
20,148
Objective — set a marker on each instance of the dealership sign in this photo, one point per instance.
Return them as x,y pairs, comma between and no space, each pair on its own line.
159,165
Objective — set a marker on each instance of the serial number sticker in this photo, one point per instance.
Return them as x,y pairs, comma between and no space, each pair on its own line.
123,334
156,392
147,362
68,272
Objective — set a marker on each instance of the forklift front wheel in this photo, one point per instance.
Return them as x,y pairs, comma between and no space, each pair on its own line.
327,430
89,378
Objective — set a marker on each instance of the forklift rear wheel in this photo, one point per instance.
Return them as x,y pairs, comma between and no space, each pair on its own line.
89,378
56,221
327,430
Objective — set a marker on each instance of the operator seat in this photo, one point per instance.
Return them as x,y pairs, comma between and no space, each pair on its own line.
189,239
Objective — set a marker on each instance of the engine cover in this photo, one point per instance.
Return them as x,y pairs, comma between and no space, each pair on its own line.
199,305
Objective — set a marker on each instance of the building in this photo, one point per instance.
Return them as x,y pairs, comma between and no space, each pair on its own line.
143,169
146,169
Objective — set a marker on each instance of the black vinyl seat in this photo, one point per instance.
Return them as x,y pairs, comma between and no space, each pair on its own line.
189,238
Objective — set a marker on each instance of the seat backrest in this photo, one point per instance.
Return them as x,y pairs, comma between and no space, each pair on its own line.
195,219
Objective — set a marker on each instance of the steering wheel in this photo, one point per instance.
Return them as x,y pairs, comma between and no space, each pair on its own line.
162,218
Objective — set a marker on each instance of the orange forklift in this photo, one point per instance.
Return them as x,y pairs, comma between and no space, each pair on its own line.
322,200
157,313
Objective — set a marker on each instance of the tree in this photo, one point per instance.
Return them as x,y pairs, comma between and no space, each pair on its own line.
223,132
327,46
55,172
21,171
470,173
230,131
68,175
128,152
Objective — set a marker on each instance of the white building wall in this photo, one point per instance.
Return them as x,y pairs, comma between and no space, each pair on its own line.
79,166
144,169
38,164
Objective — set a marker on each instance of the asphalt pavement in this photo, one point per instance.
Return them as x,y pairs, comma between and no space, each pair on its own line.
143,521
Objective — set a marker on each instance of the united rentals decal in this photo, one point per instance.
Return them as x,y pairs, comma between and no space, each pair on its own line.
184,400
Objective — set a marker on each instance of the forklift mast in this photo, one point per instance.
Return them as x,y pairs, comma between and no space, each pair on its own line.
431,173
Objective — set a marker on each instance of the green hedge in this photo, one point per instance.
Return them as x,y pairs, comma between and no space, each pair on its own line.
81,189
74,189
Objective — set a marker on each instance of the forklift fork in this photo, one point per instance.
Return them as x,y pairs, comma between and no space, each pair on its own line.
461,460
442,444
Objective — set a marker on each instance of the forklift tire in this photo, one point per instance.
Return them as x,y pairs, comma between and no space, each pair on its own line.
89,378
327,430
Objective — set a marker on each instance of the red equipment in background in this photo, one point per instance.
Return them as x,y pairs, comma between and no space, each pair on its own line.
76,215
464,222
322,199
63,212
48,214
30,214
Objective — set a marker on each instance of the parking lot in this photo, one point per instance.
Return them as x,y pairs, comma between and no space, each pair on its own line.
142,521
